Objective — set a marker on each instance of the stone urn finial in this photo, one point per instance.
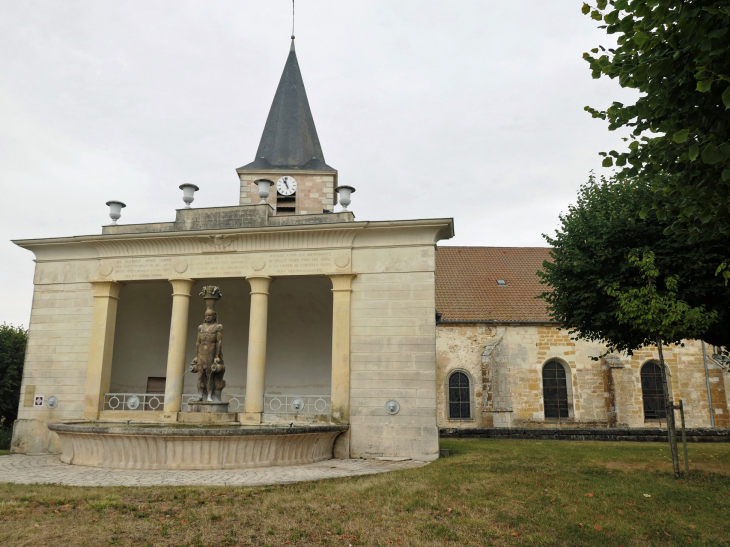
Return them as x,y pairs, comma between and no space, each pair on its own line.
211,294
115,210
264,185
344,192
188,193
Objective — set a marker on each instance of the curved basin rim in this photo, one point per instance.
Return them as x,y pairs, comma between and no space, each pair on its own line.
187,430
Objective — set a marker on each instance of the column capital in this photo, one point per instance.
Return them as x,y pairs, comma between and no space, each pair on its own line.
107,289
259,283
341,281
181,286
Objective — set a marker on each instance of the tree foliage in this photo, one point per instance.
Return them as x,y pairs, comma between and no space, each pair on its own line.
589,253
13,341
676,53
656,312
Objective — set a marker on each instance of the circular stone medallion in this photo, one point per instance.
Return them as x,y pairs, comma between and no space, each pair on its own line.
106,268
342,260
259,263
181,266
392,407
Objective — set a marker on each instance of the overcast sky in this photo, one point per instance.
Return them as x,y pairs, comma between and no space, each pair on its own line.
471,109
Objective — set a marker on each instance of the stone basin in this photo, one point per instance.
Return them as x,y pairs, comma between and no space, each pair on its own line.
190,446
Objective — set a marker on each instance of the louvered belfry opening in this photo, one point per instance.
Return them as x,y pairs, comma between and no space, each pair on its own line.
459,396
555,390
286,205
652,392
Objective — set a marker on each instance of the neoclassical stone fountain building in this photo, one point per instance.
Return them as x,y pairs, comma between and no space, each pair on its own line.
330,326
328,320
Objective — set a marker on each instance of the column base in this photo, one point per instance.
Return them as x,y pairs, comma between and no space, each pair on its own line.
341,449
249,417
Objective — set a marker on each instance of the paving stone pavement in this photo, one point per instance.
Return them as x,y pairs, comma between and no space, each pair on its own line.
48,469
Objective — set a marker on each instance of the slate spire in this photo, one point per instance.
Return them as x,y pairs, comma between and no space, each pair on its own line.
290,139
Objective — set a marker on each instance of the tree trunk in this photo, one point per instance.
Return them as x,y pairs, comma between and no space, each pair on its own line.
671,425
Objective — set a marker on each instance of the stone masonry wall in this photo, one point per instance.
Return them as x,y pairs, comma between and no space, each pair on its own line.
315,192
522,351
460,347
55,362
393,355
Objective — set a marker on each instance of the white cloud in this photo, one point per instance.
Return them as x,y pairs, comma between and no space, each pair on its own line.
470,109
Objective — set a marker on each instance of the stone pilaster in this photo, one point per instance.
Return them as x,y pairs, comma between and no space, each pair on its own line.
101,346
340,395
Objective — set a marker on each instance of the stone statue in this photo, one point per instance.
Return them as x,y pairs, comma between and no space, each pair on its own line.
208,362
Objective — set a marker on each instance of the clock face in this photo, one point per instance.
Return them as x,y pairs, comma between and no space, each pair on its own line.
286,186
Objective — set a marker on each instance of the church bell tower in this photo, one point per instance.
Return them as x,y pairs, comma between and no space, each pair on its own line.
290,154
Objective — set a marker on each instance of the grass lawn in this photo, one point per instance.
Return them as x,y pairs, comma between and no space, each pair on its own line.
489,492
4,452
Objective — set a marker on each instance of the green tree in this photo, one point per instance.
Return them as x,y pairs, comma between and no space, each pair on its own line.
13,341
662,314
676,53
665,317
589,252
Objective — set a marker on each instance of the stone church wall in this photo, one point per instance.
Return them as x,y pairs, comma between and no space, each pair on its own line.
505,363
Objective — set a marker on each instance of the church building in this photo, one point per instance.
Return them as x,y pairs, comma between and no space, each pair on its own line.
327,319
503,362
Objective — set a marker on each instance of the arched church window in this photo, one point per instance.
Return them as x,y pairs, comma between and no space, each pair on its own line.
652,391
555,390
459,396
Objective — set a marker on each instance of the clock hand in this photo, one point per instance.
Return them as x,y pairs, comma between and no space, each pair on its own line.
287,185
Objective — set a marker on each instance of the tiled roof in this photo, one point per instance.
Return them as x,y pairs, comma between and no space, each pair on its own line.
467,289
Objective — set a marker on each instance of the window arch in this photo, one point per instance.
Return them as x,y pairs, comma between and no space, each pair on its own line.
652,391
555,390
459,388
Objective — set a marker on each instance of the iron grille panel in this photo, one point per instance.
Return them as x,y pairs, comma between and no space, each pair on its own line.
274,404
459,396
555,390
652,392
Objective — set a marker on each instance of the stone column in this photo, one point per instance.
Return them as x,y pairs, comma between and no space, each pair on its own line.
101,346
256,368
340,396
175,377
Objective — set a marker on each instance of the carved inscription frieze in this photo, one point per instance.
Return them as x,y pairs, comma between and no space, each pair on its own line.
226,265
305,262
225,243
141,268
229,265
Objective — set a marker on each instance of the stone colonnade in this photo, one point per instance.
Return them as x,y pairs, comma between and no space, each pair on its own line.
106,297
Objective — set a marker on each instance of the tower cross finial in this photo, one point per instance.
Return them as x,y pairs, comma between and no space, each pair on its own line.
292,19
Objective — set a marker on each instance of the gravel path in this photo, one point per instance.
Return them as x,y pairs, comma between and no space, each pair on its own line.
48,469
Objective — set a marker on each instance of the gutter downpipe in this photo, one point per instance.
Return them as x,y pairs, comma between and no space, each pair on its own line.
707,381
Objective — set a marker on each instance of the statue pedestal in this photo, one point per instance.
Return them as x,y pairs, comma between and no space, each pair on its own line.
207,407
203,412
